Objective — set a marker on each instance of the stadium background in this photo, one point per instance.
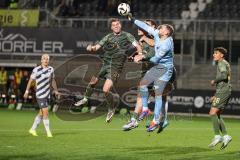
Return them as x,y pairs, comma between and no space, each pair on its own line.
63,28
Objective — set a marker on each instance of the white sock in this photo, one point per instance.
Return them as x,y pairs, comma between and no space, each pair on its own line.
156,121
36,122
46,124
217,136
133,119
166,109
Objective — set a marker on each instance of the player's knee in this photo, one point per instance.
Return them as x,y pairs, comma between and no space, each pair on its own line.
212,113
106,90
158,91
45,112
158,95
45,116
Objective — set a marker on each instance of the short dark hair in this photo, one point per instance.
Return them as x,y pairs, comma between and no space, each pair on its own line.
221,50
111,20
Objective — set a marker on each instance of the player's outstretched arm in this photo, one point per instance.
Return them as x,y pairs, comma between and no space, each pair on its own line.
143,25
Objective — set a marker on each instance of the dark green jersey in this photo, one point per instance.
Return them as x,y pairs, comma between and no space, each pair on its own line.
115,47
148,51
223,76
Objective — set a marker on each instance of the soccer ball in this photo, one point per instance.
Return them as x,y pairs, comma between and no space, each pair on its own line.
123,9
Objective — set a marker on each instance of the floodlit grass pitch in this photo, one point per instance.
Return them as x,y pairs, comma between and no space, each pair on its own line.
183,139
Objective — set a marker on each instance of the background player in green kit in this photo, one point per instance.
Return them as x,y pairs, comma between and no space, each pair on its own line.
147,43
115,46
221,97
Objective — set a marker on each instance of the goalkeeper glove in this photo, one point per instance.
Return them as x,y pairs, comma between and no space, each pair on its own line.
130,17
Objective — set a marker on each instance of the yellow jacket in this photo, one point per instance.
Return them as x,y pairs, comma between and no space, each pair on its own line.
3,77
18,76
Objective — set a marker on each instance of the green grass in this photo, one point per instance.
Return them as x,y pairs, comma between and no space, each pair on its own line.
183,139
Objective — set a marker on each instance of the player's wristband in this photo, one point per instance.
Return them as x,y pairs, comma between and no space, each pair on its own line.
27,91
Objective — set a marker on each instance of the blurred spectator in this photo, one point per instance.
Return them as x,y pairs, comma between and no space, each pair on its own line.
13,85
3,80
12,92
13,4
18,78
66,8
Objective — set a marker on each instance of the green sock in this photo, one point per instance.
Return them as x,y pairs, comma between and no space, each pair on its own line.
134,115
89,91
109,100
162,117
222,126
216,127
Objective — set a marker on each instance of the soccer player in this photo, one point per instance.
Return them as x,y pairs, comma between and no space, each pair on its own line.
146,41
115,46
221,97
162,70
44,77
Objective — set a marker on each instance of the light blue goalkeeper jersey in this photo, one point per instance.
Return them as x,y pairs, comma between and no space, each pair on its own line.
164,49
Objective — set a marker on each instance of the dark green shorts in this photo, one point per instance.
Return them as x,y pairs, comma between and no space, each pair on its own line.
107,72
221,100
